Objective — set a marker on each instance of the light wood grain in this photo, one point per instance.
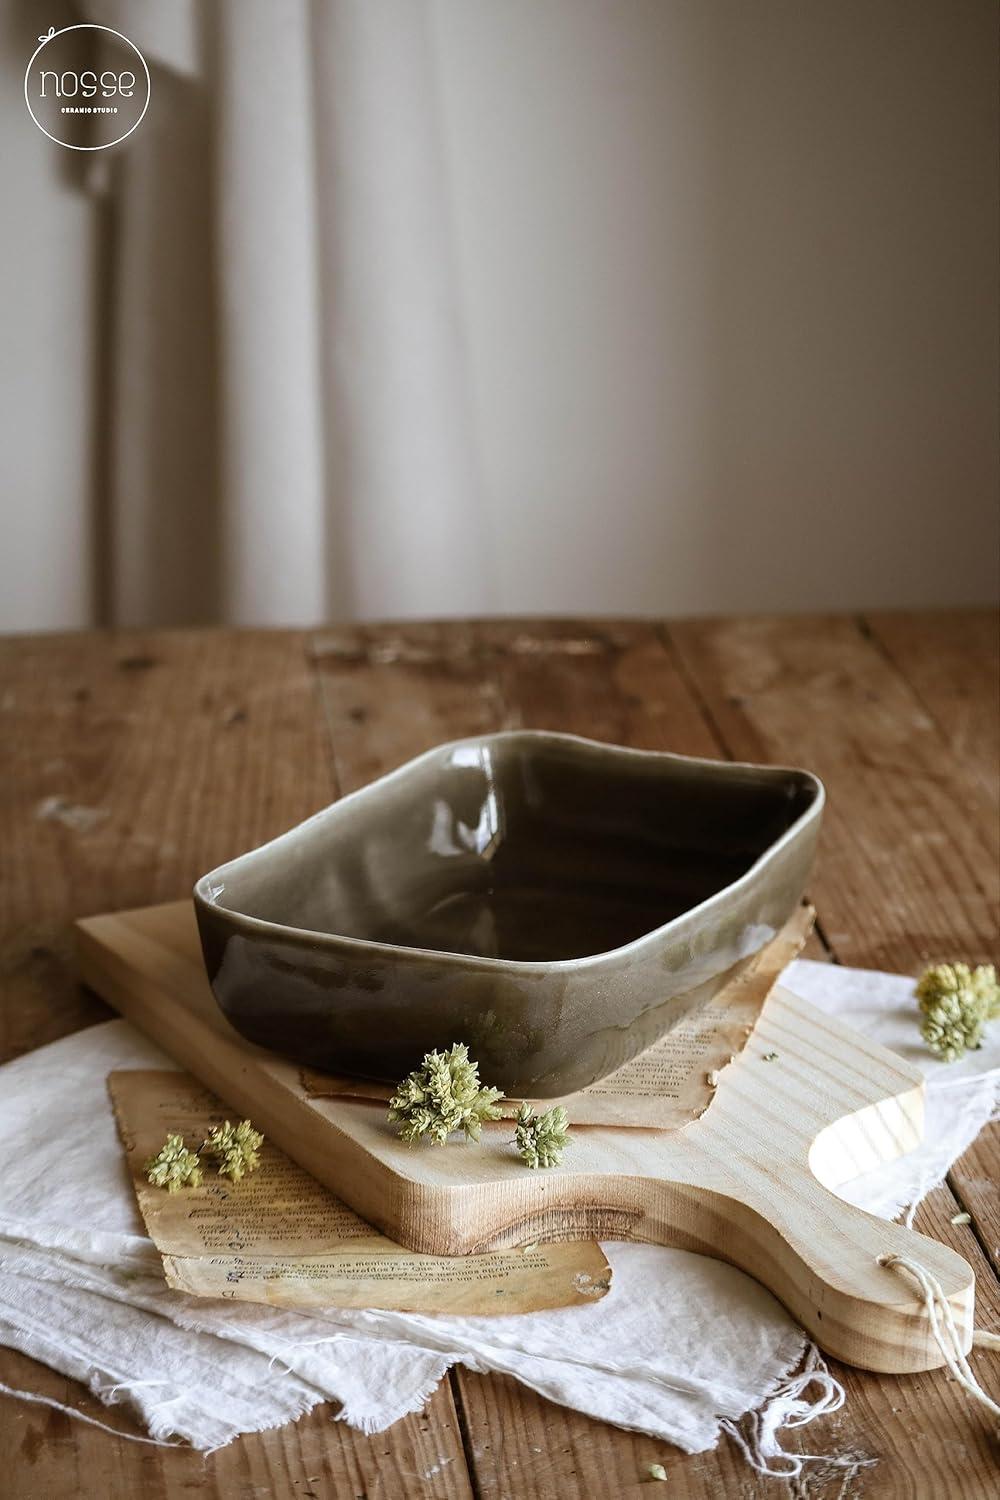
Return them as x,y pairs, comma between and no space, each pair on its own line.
805,1107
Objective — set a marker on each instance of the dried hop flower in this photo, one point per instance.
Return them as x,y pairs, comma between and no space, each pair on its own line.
443,1095
236,1149
174,1166
541,1140
956,1002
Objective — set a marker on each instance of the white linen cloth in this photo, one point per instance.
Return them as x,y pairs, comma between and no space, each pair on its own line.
681,1346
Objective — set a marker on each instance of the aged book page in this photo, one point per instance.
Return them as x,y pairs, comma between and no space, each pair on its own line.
672,1082
280,1238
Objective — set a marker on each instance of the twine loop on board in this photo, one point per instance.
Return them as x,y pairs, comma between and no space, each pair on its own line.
945,1330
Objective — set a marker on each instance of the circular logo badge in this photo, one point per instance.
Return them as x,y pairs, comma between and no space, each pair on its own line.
86,87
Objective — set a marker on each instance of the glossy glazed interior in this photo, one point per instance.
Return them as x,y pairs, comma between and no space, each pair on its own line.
521,848
550,901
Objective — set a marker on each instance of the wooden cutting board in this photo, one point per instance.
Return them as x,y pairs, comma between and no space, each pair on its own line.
808,1105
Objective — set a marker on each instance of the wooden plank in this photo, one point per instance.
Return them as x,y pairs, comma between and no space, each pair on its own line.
46,1455
525,1446
952,663
908,871
975,1181
907,1436
753,1179
133,763
611,680
392,691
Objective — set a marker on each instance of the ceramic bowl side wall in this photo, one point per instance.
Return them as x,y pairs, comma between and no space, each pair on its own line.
367,1009
623,1002
374,1010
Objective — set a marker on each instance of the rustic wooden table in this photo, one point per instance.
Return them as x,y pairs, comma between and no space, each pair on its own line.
131,763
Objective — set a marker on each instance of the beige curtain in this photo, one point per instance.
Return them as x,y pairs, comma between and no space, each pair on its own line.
288,429
399,307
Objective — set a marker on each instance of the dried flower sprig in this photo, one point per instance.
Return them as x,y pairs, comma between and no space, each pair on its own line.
956,1002
174,1166
541,1139
234,1148
443,1095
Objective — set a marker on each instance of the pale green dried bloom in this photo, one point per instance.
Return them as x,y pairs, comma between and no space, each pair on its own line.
977,986
174,1166
541,1140
956,1002
949,1029
236,1149
443,1095
986,985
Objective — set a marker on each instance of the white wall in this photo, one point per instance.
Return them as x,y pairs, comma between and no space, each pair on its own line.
728,273
730,280
46,361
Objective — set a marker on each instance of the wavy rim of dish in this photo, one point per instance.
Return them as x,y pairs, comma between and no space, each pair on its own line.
263,925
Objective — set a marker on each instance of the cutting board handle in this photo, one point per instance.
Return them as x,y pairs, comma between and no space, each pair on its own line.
820,1256
824,1259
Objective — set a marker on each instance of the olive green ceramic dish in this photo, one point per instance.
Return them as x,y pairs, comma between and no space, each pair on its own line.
543,898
